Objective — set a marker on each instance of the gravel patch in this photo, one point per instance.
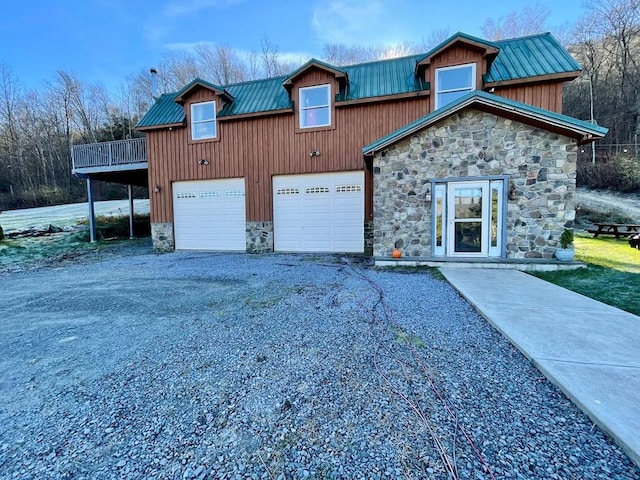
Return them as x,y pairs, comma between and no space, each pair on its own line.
212,366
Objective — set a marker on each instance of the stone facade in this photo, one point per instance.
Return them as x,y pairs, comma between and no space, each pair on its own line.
259,237
162,237
368,237
472,144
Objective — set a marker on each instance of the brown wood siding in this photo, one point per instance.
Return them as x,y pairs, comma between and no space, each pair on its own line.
261,147
542,95
313,77
456,55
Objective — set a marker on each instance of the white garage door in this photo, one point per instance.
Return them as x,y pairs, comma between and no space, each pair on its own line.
209,215
319,213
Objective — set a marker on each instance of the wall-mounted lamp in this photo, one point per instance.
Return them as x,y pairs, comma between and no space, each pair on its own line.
157,189
314,153
427,192
513,193
203,161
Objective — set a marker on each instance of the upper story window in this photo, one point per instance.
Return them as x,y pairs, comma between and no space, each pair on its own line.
203,121
315,106
454,82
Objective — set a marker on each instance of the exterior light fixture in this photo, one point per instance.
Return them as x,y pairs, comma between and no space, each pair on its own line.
314,153
157,189
203,161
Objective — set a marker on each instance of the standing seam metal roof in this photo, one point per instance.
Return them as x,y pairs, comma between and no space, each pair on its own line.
518,58
477,97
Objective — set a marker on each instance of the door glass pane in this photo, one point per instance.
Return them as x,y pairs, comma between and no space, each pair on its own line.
468,203
494,217
468,237
439,220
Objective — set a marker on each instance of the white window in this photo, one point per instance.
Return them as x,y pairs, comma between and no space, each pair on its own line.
454,82
315,106
203,120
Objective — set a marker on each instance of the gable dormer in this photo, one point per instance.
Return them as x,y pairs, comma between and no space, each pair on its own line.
313,89
456,67
202,101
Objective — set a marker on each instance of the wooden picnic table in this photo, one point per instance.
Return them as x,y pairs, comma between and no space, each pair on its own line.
617,229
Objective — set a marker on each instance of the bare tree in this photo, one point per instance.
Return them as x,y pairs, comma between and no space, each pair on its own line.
607,44
435,38
273,65
220,63
11,152
341,54
528,21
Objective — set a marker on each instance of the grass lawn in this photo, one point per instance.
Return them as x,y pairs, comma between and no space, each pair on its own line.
612,275
33,251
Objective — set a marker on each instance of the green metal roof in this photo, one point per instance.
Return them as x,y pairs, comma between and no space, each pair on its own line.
460,35
532,56
164,112
384,77
257,96
518,58
199,81
479,99
313,61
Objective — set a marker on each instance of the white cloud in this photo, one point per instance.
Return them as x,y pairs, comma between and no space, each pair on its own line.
164,21
183,46
179,8
354,21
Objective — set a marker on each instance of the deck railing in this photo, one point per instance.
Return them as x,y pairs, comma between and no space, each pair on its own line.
109,154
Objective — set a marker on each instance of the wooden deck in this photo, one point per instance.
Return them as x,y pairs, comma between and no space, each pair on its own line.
113,156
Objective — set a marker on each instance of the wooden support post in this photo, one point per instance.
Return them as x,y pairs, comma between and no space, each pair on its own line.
130,188
92,212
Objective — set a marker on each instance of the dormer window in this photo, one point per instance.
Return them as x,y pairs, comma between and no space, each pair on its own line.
315,106
454,82
203,121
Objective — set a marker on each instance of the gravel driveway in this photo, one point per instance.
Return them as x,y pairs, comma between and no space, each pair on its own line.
241,366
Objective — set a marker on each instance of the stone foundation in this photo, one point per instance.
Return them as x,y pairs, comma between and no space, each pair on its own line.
368,237
472,145
259,237
162,237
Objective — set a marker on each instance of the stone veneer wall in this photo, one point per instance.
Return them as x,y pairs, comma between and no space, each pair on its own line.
162,237
368,237
259,237
473,144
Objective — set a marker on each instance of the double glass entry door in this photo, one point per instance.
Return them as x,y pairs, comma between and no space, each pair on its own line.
468,219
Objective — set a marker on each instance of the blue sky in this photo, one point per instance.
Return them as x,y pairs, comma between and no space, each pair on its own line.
108,40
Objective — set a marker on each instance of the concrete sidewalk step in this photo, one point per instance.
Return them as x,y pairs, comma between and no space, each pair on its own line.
590,350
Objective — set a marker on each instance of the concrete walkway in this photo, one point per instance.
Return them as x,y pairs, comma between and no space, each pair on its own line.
588,349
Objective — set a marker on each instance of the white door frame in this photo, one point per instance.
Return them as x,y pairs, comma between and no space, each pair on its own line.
461,191
493,216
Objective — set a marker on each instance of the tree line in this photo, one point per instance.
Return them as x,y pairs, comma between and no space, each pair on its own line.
37,127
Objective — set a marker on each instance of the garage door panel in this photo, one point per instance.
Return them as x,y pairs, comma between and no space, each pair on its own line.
210,215
327,215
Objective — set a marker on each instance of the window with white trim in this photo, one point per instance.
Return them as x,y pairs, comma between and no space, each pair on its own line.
454,82
203,121
315,106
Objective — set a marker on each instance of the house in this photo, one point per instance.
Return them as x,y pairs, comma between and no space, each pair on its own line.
459,153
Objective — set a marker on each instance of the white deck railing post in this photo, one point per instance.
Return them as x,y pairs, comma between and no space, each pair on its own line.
108,154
